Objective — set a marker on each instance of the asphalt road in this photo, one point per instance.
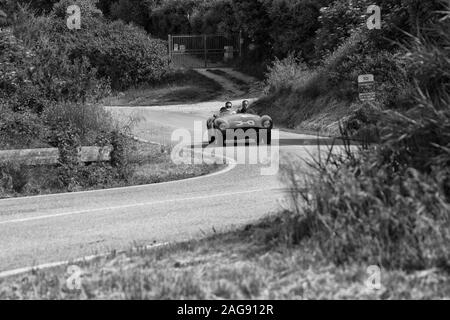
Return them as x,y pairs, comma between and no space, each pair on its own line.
44,229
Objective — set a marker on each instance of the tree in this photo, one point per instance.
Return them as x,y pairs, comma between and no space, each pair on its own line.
294,24
135,11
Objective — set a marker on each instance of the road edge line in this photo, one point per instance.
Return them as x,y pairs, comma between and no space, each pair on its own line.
45,266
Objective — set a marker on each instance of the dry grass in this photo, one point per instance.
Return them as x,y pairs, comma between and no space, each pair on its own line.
243,86
182,87
242,264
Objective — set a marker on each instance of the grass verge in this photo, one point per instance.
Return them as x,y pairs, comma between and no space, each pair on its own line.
244,86
250,263
181,87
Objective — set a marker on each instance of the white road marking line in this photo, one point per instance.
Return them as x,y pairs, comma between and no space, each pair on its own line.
15,272
57,215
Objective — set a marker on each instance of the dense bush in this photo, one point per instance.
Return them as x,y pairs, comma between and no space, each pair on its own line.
13,58
122,54
20,129
135,11
286,73
171,17
363,212
349,50
13,177
49,72
126,55
337,23
52,79
390,204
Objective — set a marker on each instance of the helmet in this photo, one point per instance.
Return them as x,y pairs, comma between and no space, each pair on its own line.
245,103
228,105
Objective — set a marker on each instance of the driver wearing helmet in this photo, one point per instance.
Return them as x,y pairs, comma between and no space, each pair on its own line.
245,107
228,107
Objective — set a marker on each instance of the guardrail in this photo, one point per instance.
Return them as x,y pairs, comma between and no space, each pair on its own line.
51,155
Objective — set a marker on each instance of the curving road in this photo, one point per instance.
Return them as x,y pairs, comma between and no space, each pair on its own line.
44,229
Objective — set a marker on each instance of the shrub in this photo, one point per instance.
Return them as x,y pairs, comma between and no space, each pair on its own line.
126,55
286,73
420,137
337,23
121,54
390,204
12,59
360,212
90,120
135,11
293,27
20,129
52,75
388,70
171,17
13,177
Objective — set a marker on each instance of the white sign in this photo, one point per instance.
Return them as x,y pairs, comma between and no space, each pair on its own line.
366,86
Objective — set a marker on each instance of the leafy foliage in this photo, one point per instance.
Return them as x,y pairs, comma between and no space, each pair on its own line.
121,54
52,79
389,204
361,211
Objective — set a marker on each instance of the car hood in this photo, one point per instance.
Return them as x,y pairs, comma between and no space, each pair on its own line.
239,117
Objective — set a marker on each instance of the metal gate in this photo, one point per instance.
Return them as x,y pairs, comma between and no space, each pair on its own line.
204,51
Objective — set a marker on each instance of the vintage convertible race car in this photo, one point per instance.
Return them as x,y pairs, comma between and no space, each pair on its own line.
235,126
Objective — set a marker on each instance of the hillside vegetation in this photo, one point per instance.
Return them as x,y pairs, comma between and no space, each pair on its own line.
52,83
386,204
389,203
319,95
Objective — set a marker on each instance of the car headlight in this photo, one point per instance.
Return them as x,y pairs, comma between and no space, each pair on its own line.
267,124
223,126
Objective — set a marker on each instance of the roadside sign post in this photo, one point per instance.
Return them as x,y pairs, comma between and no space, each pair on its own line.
366,86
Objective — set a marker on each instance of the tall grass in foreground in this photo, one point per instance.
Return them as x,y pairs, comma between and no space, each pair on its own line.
390,204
